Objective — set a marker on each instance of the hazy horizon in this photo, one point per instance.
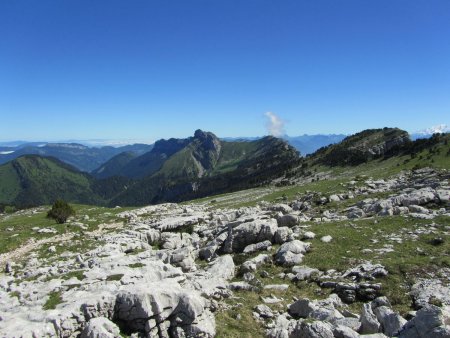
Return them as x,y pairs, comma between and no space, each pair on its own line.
124,141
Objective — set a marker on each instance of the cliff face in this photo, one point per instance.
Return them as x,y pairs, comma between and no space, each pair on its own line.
391,138
206,150
363,146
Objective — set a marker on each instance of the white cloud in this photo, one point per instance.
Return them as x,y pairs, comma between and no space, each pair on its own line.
275,125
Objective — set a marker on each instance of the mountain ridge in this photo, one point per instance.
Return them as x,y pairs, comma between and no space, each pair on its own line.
175,166
199,166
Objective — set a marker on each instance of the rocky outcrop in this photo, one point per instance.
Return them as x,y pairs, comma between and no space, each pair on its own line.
430,321
291,253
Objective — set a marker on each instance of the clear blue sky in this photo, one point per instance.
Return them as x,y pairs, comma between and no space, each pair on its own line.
150,69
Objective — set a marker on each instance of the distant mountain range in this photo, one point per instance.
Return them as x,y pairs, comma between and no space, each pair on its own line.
428,132
80,156
126,160
173,170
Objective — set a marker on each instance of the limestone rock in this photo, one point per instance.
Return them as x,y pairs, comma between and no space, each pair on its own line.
391,322
291,253
341,331
288,220
222,267
261,246
303,272
282,235
100,327
264,311
255,263
426,289
326,239
252,232
302,308
430,321
316,329
369,322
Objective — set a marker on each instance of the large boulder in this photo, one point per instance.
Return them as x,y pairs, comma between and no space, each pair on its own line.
302,308
288,220
419,197
222,267
182,258
153,309
252,232
282,235
391,322
426,290
142,309
282,327
100,328
291,253
315,329
369,322
430,321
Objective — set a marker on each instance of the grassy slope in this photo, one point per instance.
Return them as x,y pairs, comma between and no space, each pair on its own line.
32,180
181,164
16,229
232,154
10,184
114,165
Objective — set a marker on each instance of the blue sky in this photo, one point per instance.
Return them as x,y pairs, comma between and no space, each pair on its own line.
145,70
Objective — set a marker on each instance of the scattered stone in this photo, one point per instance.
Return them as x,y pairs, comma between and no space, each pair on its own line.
254,263
277,287
8,268
266,245
271,300
326,239
308,235
391,322
264,311
304,272
241,286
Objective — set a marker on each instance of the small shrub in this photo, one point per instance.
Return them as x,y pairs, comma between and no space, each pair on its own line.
435,301
60,211
115,277
136,265
10,209
53,300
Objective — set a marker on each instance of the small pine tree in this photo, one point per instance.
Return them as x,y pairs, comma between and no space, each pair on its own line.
60,211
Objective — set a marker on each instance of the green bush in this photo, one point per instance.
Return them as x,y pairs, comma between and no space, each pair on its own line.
60,211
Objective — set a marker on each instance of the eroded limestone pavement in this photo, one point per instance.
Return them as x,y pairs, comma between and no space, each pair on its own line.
167,271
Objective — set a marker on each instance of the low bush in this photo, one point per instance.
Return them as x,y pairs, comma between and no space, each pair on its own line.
60,211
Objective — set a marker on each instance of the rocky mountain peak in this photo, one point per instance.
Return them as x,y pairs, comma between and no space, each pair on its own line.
208,150
208,140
